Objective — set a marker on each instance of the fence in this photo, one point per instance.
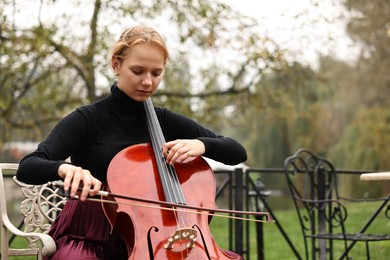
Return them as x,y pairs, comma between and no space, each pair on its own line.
254,188
247,189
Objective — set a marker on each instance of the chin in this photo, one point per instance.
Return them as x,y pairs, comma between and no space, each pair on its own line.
140,99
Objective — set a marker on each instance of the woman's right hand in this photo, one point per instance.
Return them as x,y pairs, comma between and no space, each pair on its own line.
77,177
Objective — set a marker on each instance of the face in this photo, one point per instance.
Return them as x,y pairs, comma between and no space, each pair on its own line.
141,71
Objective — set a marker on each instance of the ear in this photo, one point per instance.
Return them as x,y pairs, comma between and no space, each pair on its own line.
115,66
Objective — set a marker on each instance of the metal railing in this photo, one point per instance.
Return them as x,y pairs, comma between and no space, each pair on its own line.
241,189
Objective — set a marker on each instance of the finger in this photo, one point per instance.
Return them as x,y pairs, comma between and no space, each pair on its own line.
86,179
96,186
179,156
170,153
68,179
184,156
166,149
75,181
173,154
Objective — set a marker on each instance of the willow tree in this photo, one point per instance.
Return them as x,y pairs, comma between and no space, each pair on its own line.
369,25
364,142
58,59
366,136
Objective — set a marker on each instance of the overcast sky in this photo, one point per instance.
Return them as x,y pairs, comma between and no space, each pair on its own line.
301,26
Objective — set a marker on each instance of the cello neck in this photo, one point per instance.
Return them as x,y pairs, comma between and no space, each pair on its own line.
156,134
169,180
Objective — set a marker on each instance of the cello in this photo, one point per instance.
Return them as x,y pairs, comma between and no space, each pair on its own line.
141,171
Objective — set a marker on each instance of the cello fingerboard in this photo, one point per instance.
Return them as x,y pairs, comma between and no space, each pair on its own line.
169,180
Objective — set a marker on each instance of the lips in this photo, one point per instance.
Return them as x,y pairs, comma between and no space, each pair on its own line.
145,92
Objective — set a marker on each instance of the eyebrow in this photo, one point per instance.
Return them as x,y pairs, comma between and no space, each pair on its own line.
141,67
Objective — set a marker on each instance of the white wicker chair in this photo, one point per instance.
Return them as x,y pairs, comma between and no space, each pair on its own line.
40,206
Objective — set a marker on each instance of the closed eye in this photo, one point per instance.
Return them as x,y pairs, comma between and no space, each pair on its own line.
137,71
157,73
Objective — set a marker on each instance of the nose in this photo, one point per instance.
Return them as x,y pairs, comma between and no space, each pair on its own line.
147,80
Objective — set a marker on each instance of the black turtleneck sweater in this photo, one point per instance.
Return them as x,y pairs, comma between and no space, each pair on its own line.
92,135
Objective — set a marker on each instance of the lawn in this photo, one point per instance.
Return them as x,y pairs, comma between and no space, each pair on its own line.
277,248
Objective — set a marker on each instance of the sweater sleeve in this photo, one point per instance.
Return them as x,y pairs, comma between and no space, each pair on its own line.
42,165
224,149
220,148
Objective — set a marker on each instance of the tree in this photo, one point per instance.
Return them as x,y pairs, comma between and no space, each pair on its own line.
368,90
67,68
369,25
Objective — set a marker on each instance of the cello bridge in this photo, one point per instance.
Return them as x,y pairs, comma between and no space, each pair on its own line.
182,234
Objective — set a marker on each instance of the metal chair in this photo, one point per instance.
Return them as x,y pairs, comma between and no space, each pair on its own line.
322,216
41,205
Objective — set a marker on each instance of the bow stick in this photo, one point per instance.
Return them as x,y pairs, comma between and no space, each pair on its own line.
174,206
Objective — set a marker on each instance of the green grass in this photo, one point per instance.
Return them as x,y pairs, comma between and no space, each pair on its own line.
275,246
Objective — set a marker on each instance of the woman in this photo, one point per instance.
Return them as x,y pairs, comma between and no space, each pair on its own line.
92,135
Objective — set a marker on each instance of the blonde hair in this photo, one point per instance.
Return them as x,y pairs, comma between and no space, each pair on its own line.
137,35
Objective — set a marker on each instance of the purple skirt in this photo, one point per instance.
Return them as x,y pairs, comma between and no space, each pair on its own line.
82,231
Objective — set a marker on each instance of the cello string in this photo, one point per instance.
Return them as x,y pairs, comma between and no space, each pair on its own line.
173,180
168,174
165,173
160,160
175,189
157,143
153,142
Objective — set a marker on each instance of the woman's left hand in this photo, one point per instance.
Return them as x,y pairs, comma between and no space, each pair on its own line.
181,149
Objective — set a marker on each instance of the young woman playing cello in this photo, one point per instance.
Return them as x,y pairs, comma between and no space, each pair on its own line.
93,134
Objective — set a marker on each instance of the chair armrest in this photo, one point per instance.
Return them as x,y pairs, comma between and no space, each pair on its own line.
48,243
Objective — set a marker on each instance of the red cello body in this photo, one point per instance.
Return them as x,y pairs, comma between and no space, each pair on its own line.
150,231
